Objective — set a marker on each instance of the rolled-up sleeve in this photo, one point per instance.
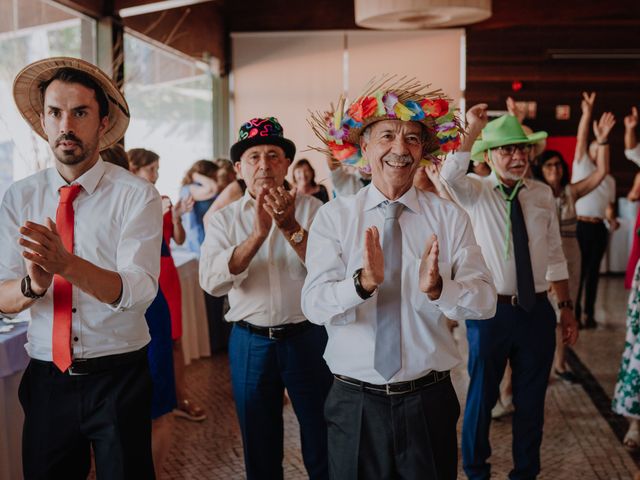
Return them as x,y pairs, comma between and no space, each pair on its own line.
557,264
138,254
215,254
633,154
468,291
464,189
328,294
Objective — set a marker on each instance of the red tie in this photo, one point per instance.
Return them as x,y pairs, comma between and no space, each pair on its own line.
62,289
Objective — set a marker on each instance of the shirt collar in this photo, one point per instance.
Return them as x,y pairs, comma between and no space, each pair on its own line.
247,201
374,198
88,180
493,178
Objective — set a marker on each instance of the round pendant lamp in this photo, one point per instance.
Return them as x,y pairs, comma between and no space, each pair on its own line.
417,14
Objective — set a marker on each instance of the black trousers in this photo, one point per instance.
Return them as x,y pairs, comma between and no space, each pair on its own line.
592,238
66,415
381,437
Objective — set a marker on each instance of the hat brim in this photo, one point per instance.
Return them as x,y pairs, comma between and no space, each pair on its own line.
238,148
26,94
481,146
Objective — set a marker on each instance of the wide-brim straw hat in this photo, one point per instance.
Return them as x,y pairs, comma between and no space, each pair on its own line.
502,131
26,93
387,98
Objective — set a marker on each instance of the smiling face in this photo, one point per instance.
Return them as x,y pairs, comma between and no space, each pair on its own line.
72,123
394,150
552,171
263,166
510,162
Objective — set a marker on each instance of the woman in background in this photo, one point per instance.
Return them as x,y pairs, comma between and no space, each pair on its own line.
146,164
304,181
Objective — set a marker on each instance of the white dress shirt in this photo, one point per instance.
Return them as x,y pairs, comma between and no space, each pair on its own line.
482,199
118,227
633,154
267,292
346,181
594,203
335,252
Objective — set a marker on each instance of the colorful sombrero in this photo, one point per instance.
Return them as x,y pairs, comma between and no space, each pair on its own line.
388,98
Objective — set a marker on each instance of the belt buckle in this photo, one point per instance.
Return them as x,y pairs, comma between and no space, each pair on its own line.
388,391
71,371
273,331
514,300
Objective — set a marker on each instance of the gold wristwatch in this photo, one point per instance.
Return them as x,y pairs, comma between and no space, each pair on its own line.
297,237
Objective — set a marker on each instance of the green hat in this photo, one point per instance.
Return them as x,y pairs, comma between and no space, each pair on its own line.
505,130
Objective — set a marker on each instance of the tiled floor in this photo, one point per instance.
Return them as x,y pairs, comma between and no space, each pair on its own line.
579,442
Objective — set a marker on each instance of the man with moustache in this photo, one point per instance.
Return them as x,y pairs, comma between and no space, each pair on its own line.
515,222
254,251
386,267
87,279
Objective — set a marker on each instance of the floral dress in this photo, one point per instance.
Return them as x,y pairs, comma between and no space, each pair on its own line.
626,398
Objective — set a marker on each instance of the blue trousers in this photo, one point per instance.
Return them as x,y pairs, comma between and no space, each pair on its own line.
527,340
261,369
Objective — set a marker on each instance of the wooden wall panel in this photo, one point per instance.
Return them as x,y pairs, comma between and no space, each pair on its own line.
497,56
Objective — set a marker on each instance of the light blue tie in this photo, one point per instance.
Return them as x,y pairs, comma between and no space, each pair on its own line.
388,350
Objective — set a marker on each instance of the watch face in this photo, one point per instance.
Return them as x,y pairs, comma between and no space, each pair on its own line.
297,237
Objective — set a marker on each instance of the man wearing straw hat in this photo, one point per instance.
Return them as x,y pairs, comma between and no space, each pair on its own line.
255,250
86,277
515,222
386,266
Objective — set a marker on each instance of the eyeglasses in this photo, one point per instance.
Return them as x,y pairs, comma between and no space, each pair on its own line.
508,150
550,165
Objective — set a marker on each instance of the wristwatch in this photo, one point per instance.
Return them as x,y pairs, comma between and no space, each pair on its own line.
25,287
565,304
297,237
362,293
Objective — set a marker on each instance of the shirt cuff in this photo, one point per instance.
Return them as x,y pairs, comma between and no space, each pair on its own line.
557,272
449,295
347,295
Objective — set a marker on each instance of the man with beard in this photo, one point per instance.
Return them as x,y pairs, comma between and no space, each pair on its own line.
386,266
514,220
86,278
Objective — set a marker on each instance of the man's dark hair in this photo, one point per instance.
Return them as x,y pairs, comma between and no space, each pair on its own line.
72,75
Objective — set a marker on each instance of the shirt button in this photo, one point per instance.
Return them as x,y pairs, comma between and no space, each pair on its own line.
73,310
75,339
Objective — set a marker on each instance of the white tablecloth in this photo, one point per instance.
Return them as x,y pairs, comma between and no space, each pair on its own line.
13,361
195,329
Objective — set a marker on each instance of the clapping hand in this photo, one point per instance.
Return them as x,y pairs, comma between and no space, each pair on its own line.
372,274
44,252
430,278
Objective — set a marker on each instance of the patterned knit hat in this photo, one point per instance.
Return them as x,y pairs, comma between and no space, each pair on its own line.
262,131
388,98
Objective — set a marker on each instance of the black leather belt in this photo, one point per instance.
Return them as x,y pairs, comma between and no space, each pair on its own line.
513,299
279,332
399,388
88,366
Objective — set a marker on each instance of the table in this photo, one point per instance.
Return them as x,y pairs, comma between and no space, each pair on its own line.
13,361
195,328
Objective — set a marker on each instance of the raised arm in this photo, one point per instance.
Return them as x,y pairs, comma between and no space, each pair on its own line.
630,124
601,130
464,189
205,188
583,127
